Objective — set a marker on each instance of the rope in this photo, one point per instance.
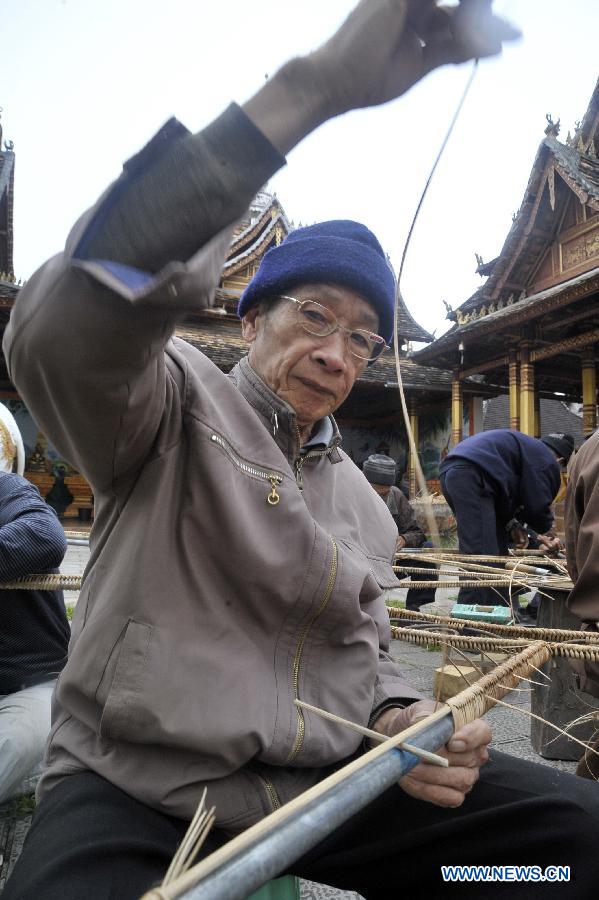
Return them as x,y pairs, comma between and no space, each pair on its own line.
540,634
489,644
477,699
43,583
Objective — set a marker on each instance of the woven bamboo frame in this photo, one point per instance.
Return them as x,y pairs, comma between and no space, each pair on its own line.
43,583
587,652
510,631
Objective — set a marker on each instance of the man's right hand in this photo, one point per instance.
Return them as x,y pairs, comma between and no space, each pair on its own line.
385,46
381,50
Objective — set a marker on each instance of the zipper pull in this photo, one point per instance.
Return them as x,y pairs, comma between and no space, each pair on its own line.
273,498
298,472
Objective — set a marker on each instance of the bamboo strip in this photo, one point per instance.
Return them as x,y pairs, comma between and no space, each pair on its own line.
371,734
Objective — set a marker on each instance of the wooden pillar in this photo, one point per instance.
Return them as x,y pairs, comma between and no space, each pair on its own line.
411,462
457,409
589,391
514,392
527,392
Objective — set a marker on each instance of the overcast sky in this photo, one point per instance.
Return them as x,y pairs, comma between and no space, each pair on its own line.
84,83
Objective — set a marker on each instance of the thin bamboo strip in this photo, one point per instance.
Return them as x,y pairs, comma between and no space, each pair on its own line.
499,582
540,634
468,567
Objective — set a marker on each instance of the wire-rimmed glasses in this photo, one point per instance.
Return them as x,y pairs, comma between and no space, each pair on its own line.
317,319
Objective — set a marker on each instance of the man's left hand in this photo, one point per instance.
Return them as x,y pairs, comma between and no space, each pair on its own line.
466,752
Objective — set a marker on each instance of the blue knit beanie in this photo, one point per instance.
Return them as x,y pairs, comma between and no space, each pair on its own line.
338,252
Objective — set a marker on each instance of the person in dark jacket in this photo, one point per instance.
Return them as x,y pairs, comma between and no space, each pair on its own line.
34,630
380,470
497,483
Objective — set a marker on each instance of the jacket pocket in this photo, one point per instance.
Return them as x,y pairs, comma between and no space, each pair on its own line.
123,681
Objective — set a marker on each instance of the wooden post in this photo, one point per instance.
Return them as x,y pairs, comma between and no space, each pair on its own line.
412,465
514,395
527,392
457,408
589,391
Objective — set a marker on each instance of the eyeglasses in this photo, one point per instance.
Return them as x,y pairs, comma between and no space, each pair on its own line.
316,319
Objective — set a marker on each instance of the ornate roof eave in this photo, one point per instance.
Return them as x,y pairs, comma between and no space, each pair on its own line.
236,262
252,230
529,308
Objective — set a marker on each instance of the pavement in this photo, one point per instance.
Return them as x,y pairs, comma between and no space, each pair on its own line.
511,727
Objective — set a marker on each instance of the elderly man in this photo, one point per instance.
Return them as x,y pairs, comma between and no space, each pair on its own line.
183,667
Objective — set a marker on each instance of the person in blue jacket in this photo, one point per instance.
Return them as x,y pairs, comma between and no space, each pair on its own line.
34,630
498,483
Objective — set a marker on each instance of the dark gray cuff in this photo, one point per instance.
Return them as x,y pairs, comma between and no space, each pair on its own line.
179,192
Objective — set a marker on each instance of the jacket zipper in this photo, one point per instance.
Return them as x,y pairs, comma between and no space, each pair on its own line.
301,725
274,479
273,797
300,460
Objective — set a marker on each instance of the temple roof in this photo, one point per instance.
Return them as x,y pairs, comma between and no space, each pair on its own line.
562,174
265,225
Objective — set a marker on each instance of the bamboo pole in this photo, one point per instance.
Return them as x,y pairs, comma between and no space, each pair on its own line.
272,845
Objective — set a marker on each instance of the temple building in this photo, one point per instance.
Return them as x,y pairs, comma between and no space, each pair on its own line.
531,331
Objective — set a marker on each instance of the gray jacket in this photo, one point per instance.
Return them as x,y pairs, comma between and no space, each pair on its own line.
205,608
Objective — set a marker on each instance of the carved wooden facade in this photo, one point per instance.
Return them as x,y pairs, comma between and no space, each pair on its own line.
533,328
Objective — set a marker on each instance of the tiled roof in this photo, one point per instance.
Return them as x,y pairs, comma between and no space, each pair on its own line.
221,340
408,327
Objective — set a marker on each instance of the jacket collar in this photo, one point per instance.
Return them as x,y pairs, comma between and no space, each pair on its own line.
279,417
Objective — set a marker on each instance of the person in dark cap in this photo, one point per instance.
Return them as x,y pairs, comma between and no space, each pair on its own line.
499,484
381,471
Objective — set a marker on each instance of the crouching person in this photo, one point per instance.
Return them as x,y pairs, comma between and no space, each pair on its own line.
380,470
